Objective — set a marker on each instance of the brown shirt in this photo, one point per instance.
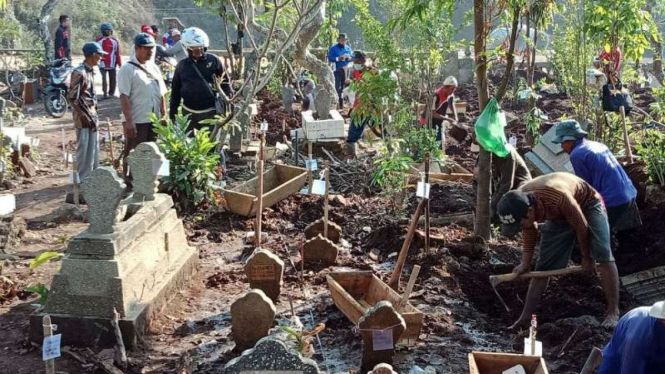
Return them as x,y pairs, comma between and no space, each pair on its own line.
559,196
81,97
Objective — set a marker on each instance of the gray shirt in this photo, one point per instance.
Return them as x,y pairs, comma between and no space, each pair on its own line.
177,50
145,91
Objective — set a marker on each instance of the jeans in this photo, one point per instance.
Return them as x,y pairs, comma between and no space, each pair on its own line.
356,130
340,82
111,81
87,152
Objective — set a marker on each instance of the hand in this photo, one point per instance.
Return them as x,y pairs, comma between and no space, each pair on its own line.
348,81
522,268
588,265
130,129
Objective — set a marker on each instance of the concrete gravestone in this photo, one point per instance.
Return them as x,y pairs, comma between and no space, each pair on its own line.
144,162
252,316
382,369
270,357
323,103
265,271
287,98
103,192
381,328
316,228
132,258
320,250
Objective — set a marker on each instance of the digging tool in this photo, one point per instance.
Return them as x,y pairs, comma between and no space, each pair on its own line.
427,210
326,203
401,259
495,280
409,288
594,360
629,152
311,171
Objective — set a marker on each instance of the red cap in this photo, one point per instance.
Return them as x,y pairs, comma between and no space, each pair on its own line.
148,30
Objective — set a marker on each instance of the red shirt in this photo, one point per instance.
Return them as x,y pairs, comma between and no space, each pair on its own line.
611,61
111,46
357,75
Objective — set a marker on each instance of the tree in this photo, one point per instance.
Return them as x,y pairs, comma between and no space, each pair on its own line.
44,17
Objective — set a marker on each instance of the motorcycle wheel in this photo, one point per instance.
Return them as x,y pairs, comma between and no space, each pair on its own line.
55,104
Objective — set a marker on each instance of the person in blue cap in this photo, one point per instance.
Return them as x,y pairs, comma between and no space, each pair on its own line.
81,96
595,163
638,343
340,55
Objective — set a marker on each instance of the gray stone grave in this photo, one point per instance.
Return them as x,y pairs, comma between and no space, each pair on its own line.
320,250
317,227
381,328
287,98
265,271
144,162
270,356
133,258
548,157
252,316
323,103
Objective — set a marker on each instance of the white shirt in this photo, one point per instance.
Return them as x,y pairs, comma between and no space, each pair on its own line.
144,92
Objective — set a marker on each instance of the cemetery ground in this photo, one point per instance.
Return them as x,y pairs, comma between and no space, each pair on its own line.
193,332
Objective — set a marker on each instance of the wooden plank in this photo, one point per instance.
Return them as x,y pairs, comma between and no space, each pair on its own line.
355,283
345,302
496,363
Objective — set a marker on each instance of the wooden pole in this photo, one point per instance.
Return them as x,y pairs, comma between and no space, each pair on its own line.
311,172
401,259
110,143
427,211
48,331
121,353
626,140
326,202
595,358
64,149
409,288
259,194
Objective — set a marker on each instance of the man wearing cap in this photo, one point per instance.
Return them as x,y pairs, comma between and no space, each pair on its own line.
176,49
81,96
340,55
142,91
444,99
572,211
595,163
112,59
638,343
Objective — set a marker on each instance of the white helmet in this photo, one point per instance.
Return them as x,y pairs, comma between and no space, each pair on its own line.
194,37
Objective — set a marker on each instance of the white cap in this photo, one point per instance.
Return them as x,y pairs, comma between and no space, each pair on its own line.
658,310
175,32
450,81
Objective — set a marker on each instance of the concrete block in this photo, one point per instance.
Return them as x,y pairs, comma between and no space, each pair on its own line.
323,130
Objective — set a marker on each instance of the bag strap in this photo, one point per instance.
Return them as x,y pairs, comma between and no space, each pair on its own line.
198,72
143,70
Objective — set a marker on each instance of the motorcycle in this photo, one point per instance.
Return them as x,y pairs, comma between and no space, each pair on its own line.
55,90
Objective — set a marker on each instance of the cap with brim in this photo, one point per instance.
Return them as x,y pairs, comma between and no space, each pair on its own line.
568,130
92,48
342,36
175,32
144,40
512,208
658,310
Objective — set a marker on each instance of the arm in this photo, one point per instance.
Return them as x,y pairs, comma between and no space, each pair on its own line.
529,239
175,92
579,166
435,114
226,81
118,54
129,125
452,106
332,57
59,51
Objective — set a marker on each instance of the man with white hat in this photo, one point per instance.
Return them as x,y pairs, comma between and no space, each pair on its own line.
177,50
444,98
638,343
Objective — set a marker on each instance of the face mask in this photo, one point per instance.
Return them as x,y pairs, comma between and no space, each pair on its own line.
358,66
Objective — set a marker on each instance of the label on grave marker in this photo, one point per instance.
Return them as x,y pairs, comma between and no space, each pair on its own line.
107,137
263,272
528,346
161,167
382,340
423,190
51,347
264,126
34,142
319,187
311,165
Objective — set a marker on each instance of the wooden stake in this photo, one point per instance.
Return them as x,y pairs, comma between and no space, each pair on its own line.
592,362
427,211
409,288
326,202
401,259
120,353
283,125
629,152
259,194
311,172
64,148
110,144
48,331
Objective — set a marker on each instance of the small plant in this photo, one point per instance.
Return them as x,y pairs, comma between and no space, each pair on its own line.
420,141
44,258
41,290
657,108
391,171
652,150
192,160
303,338
533,120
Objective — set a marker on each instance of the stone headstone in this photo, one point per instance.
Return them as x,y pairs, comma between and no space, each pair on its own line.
265,272
252,316
287,98
548,157
320,250
27,167
144,163
381,328
323,103
270,356
316,228
382,369
103,192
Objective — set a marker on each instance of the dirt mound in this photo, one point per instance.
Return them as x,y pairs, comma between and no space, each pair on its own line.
280,123
642,249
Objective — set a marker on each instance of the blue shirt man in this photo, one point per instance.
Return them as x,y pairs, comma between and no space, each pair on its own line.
340,55
595,163
638,343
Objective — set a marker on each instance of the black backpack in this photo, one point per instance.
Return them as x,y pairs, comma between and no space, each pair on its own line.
612,101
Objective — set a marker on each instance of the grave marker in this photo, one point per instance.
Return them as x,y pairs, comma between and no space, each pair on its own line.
265,272
317,227
270,356
381,328
320,250
103,192
252,316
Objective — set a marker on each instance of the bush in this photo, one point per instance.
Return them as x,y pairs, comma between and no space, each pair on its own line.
192,161
391,171
420,141
652,150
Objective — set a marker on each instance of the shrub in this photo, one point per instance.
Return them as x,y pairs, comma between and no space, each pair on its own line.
652,150
419,141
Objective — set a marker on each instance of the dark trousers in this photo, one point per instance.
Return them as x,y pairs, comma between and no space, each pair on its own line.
144,133
196,118
356,130
110,83
340,82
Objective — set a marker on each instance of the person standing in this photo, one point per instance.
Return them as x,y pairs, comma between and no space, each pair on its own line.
142,91
176,49
110,61
508,173
194,81
595,163
573,212
63,38
444,99
81,96
638,343
357,126
340,55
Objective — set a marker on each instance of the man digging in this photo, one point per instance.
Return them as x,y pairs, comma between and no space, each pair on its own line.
571,211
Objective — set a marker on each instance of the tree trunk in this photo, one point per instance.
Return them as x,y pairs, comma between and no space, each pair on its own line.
657,47
482,225
510,58
45,33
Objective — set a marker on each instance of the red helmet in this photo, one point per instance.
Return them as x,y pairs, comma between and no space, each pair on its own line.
148,30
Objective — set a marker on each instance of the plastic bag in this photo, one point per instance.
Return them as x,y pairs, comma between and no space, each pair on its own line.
489,129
